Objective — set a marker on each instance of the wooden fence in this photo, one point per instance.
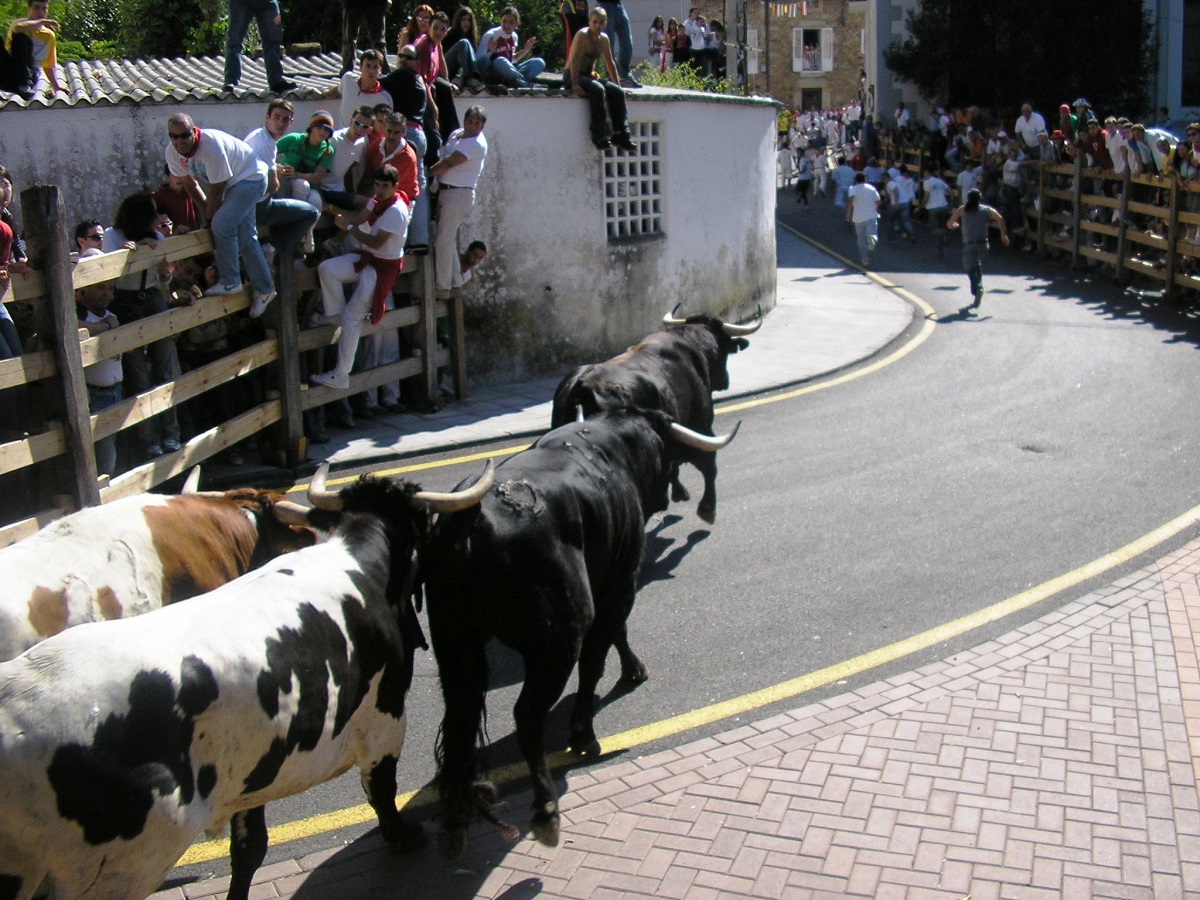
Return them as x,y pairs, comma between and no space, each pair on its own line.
57,454
1134,223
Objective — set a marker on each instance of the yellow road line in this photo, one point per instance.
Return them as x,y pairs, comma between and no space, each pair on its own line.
787,690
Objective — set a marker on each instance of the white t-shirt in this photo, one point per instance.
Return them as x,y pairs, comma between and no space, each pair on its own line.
103,373
497,40
866,202
465,174
935,193
353,97
906,187
967,179
395,222
220,158
345,154
1028,128
263,145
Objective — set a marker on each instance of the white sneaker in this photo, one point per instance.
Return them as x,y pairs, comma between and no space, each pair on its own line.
332,380
260,304
268,254
222,290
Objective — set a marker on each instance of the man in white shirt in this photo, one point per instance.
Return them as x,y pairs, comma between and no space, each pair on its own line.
902,116
289,220
1028,125
365,87
905,194
237,181
380,228
862,208
936,202
457,172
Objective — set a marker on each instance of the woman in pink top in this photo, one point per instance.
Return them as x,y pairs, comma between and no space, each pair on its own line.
431,66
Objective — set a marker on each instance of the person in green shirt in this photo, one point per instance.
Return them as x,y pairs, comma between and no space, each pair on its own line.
307,157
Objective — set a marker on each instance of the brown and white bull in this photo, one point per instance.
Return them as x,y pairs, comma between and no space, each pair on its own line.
137,554
121,742
674,370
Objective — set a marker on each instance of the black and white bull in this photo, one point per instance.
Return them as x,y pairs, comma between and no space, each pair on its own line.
674,370
138,554
548,564
122,741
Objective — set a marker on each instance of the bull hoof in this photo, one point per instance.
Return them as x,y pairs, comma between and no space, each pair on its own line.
546,825
680,494
485,793
707,513
452,842
407,836
585,747
637,674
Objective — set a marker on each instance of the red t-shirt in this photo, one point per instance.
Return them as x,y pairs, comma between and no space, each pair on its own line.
178,205
403,158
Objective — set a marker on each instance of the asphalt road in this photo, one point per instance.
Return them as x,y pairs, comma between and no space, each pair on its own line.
1057,424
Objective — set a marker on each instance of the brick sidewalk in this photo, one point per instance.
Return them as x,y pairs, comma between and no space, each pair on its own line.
1060,760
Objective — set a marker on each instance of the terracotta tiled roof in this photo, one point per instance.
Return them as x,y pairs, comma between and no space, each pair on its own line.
100,82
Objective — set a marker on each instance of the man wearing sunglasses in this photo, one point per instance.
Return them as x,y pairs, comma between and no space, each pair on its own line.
236,181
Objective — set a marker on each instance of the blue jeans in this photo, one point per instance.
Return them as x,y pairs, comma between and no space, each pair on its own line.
973,254
264,12
460,59
289,221
418,226
234,233
619,35
100,398
502,71
868,236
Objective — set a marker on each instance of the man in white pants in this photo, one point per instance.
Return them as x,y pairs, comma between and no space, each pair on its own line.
380,228
457,173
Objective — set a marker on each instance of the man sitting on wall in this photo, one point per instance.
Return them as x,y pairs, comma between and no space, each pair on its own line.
28,47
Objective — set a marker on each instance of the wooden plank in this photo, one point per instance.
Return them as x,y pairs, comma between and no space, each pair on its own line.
33,449
326,335
173,322
317,395
1142,267
43,215
26,287
109,266
1101,255
199,448
27,368
136,409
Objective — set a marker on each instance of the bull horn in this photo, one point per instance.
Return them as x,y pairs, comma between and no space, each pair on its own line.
698,441
464,499
192,482
744,330
578,412
669,318
288,513
318,496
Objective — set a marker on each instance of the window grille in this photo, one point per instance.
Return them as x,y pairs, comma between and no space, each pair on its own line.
633,184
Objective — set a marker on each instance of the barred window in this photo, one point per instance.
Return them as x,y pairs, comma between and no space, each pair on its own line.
633,187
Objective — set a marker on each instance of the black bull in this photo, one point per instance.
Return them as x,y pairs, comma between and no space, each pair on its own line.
548,564
674,370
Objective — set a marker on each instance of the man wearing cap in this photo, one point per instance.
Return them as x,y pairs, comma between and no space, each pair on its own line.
1028,124
289,219
307,158
237,181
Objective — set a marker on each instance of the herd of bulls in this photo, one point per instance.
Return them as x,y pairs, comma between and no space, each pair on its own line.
125,738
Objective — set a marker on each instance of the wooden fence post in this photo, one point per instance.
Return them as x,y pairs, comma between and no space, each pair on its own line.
288,336
1122,226
1076,211
42,212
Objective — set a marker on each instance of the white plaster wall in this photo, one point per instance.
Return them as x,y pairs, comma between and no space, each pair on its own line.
554,290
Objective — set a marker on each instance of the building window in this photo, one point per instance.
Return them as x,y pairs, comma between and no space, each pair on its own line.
633,186
812,50
752,51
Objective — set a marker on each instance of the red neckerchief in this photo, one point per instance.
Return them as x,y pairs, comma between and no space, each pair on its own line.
375,90
381,208
195,146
